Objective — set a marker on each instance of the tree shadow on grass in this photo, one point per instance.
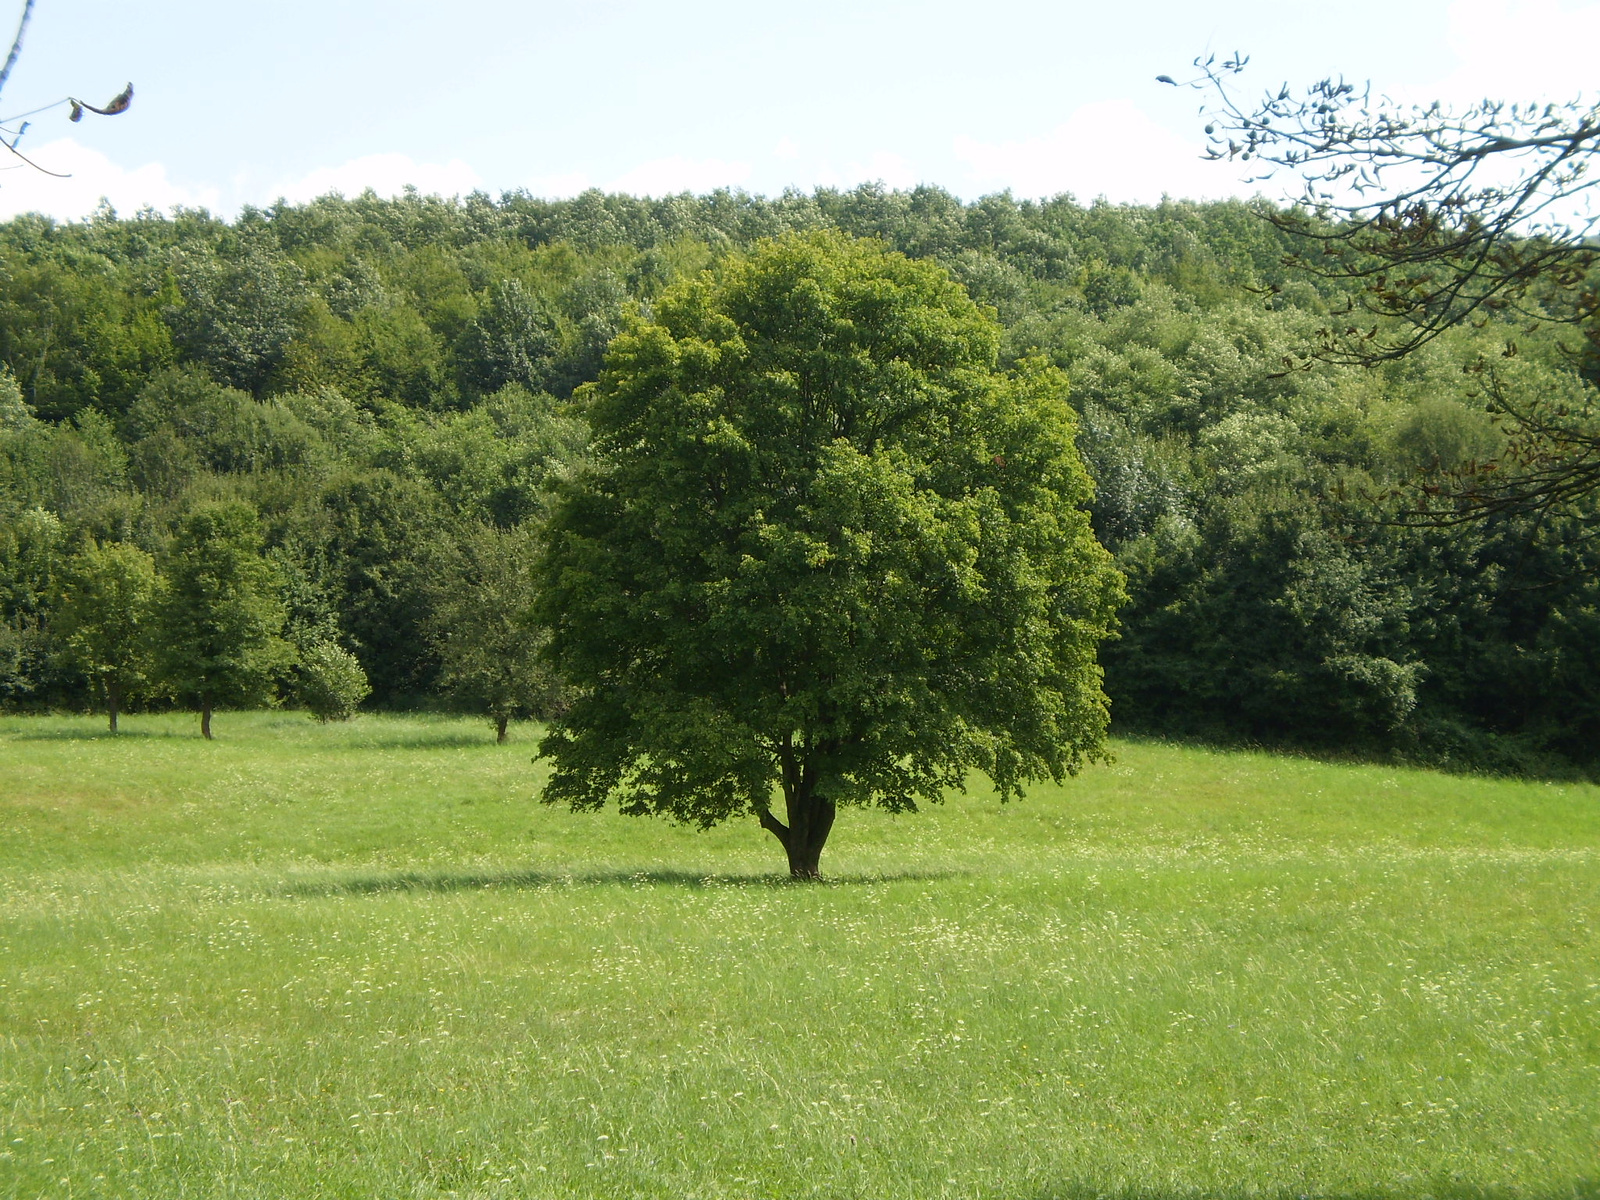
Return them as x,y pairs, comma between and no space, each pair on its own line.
1433,1189
105,735
442,740
516,879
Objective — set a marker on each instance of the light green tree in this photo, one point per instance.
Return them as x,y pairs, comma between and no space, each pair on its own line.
104,616
331,683
825,549
220,613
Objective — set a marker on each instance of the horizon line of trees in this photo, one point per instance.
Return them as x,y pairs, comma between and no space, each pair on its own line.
385,389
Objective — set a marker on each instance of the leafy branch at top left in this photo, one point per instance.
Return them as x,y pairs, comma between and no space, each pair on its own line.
11,132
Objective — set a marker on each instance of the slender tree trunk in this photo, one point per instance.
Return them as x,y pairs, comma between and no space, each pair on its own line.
810,819
113,702
205,715
500,730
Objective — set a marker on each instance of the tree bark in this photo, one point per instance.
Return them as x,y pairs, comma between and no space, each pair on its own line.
205,715
810,818
113,702
805,848
499,731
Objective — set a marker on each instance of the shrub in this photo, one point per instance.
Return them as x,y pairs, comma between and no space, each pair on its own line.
332,683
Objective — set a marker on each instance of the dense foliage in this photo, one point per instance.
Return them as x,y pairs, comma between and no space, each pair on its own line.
822,547
381,380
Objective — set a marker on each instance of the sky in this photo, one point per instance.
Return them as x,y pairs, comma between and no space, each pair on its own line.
246,103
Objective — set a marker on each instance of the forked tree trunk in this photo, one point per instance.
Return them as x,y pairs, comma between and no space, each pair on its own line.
500,730
810,821
113,702
205,715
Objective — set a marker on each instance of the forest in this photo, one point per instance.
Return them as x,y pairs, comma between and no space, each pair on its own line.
339,424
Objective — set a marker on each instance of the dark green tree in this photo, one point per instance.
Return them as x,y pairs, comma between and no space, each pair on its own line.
512,341
104,615
484,632
385,535
239,311
221,614
824,548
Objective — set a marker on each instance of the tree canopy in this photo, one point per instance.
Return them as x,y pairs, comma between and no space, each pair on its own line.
824,547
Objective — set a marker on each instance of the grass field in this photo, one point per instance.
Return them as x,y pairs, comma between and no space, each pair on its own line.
360,961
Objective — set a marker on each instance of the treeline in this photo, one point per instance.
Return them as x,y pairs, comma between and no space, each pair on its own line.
374,397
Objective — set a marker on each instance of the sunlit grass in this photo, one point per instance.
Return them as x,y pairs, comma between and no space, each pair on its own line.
361,961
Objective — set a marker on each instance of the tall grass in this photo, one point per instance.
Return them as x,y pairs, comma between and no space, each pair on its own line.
361,961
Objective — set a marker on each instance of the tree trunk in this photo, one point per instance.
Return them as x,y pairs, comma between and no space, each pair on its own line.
805,853
810,820
113,702
500,730
205,715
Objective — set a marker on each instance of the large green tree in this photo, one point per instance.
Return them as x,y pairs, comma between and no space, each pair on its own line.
825,549
221,614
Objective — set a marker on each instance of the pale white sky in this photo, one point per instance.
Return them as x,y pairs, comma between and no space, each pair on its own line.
243,103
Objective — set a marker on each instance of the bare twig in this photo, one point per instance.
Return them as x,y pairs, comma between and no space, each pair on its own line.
1433,218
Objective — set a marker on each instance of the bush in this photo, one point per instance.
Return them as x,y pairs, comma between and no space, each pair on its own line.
332,683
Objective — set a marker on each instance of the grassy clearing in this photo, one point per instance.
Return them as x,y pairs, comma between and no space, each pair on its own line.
360,961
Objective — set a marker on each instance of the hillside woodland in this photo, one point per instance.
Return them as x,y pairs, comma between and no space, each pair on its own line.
360,407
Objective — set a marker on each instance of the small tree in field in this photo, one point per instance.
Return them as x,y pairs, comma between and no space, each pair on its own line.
221,614
825,549
332,684
104,617
484,631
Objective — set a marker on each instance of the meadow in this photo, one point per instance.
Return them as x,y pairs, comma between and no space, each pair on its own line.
362,961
